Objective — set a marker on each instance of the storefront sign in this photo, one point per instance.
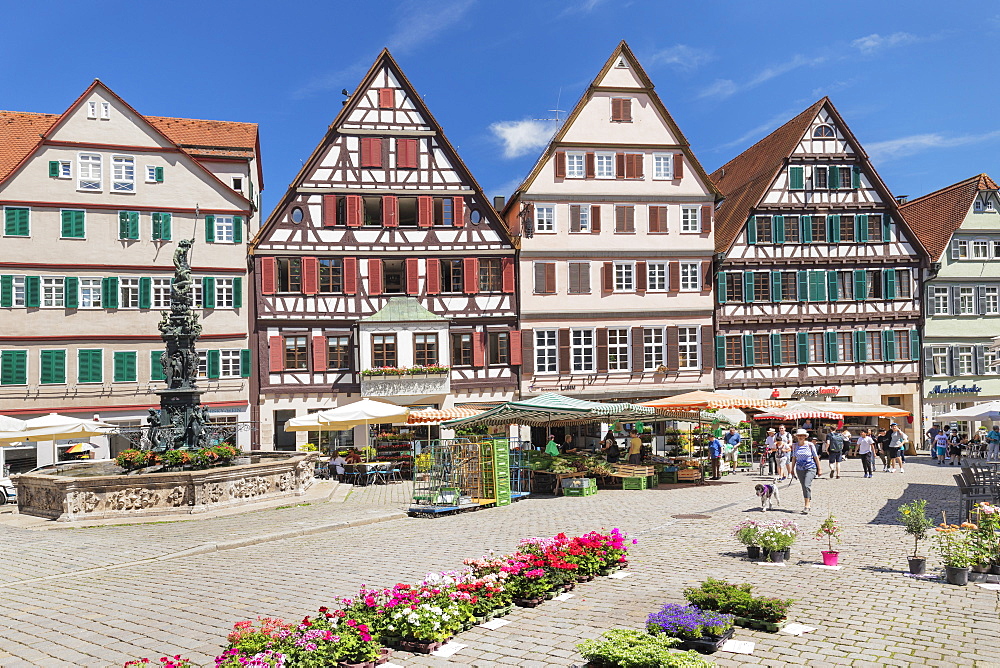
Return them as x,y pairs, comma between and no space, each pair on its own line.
815,392
955,389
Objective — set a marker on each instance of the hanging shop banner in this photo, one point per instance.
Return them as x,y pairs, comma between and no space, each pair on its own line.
801,392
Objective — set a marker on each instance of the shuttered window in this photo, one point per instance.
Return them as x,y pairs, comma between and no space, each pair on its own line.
73,224
406,154
796,178
545,278
16,221
624,219
128,224
125,366
161,226
90,366
621,110
658,220
52,367
579,278
155,366
371,152
14,367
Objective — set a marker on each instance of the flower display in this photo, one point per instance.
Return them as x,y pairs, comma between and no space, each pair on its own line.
747,532
954,545
688,621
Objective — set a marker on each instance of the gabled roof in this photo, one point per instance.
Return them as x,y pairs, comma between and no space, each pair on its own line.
935,217
19,135
402,309
647,87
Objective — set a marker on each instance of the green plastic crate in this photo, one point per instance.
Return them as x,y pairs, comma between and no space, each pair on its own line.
580,491
635,483
668,477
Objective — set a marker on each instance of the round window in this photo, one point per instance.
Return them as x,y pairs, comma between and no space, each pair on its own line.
475,216
297,215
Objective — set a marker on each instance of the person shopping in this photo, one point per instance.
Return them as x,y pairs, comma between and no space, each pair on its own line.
634,448
609,446
770,451
866,450
807,466
783,448
715,455
834,447
897,441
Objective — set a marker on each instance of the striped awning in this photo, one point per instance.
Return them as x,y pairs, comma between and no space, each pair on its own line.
699,399
556,409
799,415
439,415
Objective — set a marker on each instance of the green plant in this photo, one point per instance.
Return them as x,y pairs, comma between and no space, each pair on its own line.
913,516
771,610
737,599
747,532
776,536
133,459
629,648
830,530
176,457
954,544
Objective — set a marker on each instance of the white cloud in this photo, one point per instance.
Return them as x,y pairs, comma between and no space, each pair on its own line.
759,131
875,42
682,57
522,137
723,88
906,146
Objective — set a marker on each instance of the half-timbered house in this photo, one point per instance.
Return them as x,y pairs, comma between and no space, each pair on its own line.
616,253
384,271
819,287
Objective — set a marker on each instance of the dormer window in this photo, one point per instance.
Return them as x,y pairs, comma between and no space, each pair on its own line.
823,132
978,206
989,204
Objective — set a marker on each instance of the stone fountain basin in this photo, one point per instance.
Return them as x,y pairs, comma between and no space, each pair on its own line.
101,490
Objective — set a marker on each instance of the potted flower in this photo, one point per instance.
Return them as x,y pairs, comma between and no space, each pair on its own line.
776,539
987,537
913,516
701,630
830,530
953,543
747,532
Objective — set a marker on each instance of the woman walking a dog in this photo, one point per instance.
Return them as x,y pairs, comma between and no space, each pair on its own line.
807,466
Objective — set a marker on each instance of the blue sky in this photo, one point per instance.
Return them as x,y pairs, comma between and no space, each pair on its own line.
916,81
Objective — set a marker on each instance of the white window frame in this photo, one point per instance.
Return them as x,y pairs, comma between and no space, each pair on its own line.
197,292
128,286
159,297
977,205
229,357
959,249
965,360
657,277
92,109
546,351
65,169
18,287
237,183
624,277
545,219
150,173
980,246
989,204
604,165
966,300
582,349
939,360
91,292
689,347
576,165
224,229
203,364
690,220
622,349
996,249
86,179
991,301
53,289
663,166
584,219
685,274
105,111
653,348
941,301
223,293
121,165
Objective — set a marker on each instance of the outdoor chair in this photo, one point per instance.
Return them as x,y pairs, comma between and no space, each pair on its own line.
376,474
970,495
394,474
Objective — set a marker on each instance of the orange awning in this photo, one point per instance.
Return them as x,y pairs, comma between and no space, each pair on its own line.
439,415
700,399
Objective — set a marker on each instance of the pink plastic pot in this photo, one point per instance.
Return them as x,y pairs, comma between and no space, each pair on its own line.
830,558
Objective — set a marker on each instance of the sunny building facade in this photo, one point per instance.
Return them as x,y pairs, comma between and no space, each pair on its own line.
93,202
616,228
383,271
819,291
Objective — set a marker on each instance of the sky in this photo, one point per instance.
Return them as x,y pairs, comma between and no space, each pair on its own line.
916,81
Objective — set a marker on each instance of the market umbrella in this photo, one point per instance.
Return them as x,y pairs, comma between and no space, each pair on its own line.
80,448
699,399
349,416
8,423
55,427
980,412
556,409
798,412
852,408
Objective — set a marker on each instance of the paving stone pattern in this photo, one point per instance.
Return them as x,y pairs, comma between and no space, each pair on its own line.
868,613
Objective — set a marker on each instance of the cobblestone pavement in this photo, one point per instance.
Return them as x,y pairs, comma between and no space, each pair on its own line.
868,613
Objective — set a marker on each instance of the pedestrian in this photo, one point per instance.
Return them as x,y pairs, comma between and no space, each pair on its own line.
807,466
770,450
834,448
609,446
634,448
551,448
956,450
897,441
715,456
993,444
783,451
866,450
882,442
940,446
732,448
932,438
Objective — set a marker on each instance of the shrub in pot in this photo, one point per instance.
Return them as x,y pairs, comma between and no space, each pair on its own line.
631,648
830,530
954,545
913,517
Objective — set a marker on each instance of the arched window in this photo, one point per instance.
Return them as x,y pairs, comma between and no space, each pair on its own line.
823,132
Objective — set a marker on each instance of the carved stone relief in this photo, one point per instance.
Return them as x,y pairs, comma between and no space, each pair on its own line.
83,502
132,498
249,487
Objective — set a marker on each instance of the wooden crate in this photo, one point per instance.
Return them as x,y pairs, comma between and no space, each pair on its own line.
634,470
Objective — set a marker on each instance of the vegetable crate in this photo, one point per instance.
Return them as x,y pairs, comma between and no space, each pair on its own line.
688,475
579,491
635,471
578,483
635,482
668,476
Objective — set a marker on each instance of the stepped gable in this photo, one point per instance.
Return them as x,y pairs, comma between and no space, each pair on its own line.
935,217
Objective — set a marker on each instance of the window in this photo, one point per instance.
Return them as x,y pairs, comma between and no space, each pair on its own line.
819,228
407,153
16,221
763,229
197,293
490,279
959,249
761,286
991,304
14,367
128,293
847,228
160,226
624,277
461,349
202,364
579,218
978,205
579,278
160,293
989,204
904,287
338,352
734,351
690,276
796,177
223,229
663,166
92,109
546,351
789,286
621,110
576,165
90,366
656,276
373,211
499,348
128,224
819,178
124,366
792,235
624,219
88,171
74,225
980,249
331,275
817,354
845,285
846,174
823,132
224,296
545,278
940,297
618,349
394,276
996,248
90,292
902,343
229,363
582,350
874,346
289,274
425,349
151,173
384,350
123,173
965,356
408,211
789,349
939,360
52,367
105,110
761,350
604,165
296,352
874,227
53,292
652,348
966,301
688,348
845,346
734,286
451,276
545,218
691,219
874,280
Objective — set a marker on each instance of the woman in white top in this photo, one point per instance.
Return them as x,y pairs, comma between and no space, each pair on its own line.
866,449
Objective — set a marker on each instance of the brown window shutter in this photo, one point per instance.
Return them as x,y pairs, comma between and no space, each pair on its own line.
539,287
574,279
708,280
639,159
433,277
386,98
390,211
626,110
458,204
470,275
355,206
564,358
310,275
608,277
412,276
507,274
268,275
638,343
560,165
374,276
591,170
602,350
678,166
350,275
629,219
515,347
619,219
584,276
425,211
574,217
707,342
527,350
706,218
329,210
319,353
656,222
616,109
633,165
276,353
619,165
479,349
640,276
550,278
595,218
674,276
673,355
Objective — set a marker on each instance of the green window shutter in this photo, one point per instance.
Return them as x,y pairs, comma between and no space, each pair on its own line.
238,292
833,228
802,278
833,180
806,229
775,348
208,292
831,347
14,367
32,291
860,285
856,178
748,286
54,168
79,228
796,178
778,229
245,363
860,346
109,292
237,229
888,345
720,287
166,219
210,229
817,286
45,367
156,225
67,223
832,286
71,292
90,366
914,345
747,350
720,352
16,222
886,228
158,174
889,283
123,225
802,344
752,230
214,363
125,363
133,224
861,227
775,286
155,368
145,292
6,291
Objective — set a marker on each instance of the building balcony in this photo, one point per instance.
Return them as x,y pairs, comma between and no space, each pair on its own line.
375,384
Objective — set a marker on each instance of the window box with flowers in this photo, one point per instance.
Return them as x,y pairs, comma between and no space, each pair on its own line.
390,381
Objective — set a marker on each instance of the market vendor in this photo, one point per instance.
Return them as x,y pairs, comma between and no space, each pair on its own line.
551,448
634,448
567,446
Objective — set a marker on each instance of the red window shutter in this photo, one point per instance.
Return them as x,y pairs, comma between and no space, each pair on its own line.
459,206
608,277
707,350
595,218
515,347
366,151
470,275
673,354
550,278
386,98
564,357
350,275
433,275
678,165
616,109
706,218
374,276
310,276
425,211
319,353
560,167
412,276
329,210
591,171
619,165
406,153
638,349
674,276
355,204
478,348
276,350
268,275
640,276
371,152
708,280
507,274
390,211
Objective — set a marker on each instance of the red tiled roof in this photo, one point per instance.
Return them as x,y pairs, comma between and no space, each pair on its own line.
937,215
19,134
745,179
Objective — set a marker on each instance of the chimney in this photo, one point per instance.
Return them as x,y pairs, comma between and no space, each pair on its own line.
498,202
901,199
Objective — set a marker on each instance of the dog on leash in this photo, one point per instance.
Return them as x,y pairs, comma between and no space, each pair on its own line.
768,495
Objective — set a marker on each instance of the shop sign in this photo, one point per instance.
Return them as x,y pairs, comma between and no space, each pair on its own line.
955,389
799,393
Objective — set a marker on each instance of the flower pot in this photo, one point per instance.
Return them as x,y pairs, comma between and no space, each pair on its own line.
976,576
788,553
753,552
917,565
418,647
995,569
363,664
528,602
765,554
830,558
549,595
957,575
778,556
569,586
584,578
383,656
